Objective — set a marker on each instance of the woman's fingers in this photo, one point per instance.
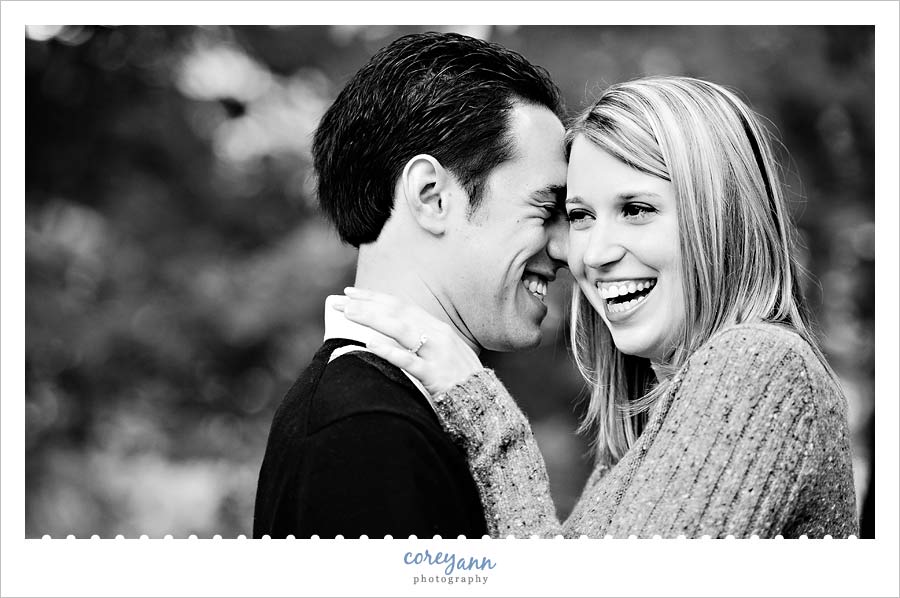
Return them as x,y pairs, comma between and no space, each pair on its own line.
405,360
392,304
384,320
359,293
374,296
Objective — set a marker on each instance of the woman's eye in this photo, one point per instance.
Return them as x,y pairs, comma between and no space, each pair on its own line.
578,217
637,211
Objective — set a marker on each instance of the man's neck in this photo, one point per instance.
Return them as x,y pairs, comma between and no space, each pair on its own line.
395,272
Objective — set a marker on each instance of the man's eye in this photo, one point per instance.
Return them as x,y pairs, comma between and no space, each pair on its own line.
550,211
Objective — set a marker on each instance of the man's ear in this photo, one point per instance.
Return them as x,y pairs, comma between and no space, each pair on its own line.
428,189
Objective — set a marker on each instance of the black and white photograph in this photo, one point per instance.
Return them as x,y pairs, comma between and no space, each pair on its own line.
317,282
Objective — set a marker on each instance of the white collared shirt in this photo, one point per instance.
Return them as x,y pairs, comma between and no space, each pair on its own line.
337,326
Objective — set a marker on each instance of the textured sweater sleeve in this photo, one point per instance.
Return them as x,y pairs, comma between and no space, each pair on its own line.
482,418
739,449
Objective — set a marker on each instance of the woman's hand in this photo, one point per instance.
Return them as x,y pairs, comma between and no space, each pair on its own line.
435,353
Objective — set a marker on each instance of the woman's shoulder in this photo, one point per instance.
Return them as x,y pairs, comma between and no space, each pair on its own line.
762,351
769,340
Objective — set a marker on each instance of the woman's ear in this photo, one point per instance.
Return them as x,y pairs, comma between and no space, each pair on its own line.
426,188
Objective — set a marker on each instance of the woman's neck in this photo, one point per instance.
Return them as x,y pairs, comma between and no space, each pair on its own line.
663,371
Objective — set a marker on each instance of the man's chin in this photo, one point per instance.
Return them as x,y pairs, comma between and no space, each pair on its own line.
532,344
521,341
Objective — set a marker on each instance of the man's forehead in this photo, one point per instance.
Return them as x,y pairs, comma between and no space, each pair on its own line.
538,145
535,127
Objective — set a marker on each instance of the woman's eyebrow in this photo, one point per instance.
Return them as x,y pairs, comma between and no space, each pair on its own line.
635,194
624,195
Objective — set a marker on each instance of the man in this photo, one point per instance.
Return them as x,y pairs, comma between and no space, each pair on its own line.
443,162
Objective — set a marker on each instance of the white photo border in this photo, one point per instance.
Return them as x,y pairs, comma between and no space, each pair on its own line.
376,567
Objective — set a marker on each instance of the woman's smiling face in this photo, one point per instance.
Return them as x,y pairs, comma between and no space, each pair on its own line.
624,250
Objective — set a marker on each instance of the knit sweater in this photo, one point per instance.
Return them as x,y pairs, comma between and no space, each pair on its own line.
752,438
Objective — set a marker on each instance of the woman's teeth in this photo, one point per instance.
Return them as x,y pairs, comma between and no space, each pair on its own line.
534,284
624,295
611,291
615,308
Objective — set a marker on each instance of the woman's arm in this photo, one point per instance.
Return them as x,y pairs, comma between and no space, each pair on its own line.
503,456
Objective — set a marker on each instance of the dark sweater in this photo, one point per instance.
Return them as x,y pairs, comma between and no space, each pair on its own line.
356,449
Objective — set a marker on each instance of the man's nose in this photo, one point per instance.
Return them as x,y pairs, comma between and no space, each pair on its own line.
558,242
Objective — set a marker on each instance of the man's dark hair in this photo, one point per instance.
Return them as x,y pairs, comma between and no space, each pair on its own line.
442,94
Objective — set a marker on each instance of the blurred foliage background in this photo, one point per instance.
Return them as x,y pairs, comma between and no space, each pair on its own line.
176,265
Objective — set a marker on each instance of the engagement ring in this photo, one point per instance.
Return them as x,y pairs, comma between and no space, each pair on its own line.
422,340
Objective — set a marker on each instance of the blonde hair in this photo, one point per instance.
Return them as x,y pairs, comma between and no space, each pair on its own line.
737,240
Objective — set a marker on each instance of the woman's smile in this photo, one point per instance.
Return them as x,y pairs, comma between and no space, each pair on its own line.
624,296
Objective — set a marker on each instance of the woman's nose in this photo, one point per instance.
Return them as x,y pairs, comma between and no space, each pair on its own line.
603,249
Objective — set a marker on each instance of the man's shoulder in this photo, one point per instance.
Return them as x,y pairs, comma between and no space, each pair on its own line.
347,436
362,381
354,384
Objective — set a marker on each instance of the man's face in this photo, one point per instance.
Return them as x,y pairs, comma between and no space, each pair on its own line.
505,255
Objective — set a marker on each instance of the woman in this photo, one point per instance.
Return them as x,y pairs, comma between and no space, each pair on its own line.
715,412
